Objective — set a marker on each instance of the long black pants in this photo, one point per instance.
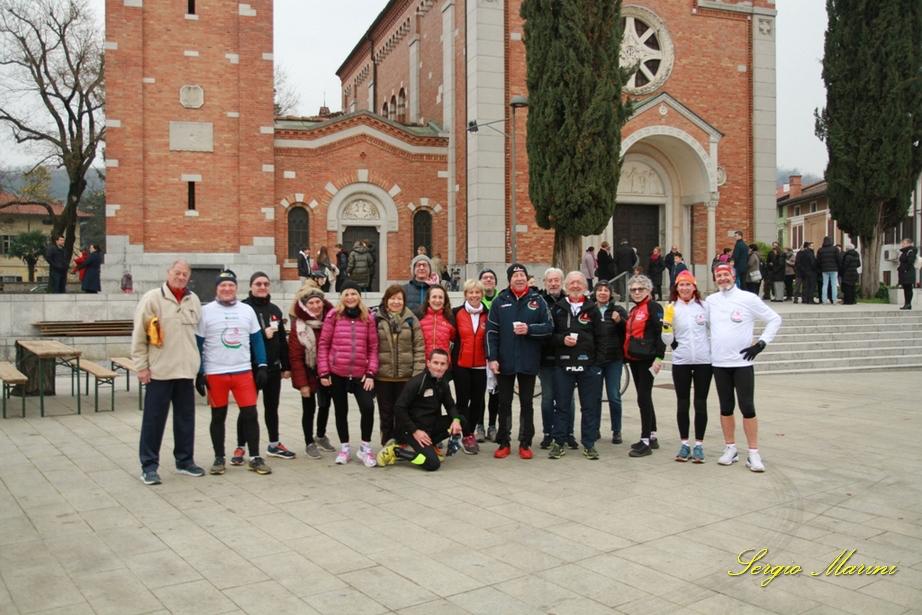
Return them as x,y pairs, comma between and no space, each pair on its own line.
321,398
248,420
271,393
387,392
365,400
158,396
849,296
907,294
682,378
505,391
736,384
425,456
643,384
470,386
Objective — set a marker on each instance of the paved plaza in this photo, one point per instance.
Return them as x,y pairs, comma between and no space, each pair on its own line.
79,533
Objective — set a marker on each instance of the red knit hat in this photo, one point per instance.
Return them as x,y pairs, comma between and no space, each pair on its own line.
686,276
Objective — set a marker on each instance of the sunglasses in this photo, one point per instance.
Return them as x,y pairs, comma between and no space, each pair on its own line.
638,290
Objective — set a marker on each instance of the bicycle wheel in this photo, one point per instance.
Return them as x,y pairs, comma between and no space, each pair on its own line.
625,378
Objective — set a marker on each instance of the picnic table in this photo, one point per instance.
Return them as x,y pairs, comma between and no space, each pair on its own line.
52,353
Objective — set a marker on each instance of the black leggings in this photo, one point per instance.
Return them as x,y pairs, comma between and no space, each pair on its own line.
643,384
907,294
365,400
526,408
425,456
248,420
470,386
682,378
308,404
271,393
493,408
387,392
738,380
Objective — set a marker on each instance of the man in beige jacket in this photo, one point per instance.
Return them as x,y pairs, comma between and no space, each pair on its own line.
168,366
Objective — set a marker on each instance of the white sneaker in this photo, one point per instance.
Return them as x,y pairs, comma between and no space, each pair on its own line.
342,457
754,462
729,457
367,456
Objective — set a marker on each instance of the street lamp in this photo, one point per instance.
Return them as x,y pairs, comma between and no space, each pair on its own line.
516,102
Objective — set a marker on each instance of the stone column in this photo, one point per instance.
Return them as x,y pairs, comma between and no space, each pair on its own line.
448,124
712,240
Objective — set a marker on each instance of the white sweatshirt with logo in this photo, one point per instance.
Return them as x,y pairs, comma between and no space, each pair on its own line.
732,315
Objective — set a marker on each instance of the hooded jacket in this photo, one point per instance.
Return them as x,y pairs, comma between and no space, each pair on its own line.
360,264
906,268
301,374
828,257
401,353
518,354
277,347
691,337
590,341
851,262
612,332
414,289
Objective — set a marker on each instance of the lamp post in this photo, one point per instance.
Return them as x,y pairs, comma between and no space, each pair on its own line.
516,102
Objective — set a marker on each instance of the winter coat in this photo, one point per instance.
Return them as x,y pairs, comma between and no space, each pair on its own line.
277,347
789,259
304,265
645,321
178,357
612,332
740,258
518,354
416,294
590,341
655,269
360,265
57,258
851,261
420,404
470,350
606,265
549,348
753,265
348,346
776,266
588,266
691,343
805,264
301,374
90,269
906,268
342,263
438,331
828,257
625,259
401,353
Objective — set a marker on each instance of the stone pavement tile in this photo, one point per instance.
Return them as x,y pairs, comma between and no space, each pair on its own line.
17,529
194,598
655,581
477,565
345,600
311,512
475,496
582,606
119,481
719,603
490,601
284,527
442,607
26,556
6,601
117,592
360,537
522,513
651,606
909,597
831,524
592,585
900,526
679,557
71,609
297,574
83,553
250,542
224,569
387,587
161,569
844,599
185,537
29,588
187,498
131,541
104,519
526,559
537,592
418,538
873,552
547,542
330,554
776,597
431,573
269,598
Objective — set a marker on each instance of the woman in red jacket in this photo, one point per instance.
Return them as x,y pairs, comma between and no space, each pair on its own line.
436,320
644,351
307,314
347,361
470,359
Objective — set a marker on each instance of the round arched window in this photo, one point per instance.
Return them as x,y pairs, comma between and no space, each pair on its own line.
647,47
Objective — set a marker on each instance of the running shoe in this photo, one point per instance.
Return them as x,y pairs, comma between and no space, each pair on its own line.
590,453
525,452
150,477
313,451
546,442
259,466
469,445
616,437
503,451
217,467
342,457
654,443
191,470
698,454
729,457
455,444
324,443
367,456
387,456
237,458
281,451
479,434
754,462
684,453
557,451
643,451
572,443
491,433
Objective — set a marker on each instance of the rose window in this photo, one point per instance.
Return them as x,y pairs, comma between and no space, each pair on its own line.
647,47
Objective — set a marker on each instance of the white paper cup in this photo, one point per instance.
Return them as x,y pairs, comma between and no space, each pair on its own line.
573,336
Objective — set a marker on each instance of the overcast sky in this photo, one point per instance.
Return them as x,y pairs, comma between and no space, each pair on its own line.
313,37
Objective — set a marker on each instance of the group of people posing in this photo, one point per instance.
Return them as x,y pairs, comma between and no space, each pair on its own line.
404,352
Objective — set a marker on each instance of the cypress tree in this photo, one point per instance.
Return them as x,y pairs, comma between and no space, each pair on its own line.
872,123
575,115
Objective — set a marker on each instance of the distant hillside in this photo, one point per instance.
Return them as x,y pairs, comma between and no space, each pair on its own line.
59,181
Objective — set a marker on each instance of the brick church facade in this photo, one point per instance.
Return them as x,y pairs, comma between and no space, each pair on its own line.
200,167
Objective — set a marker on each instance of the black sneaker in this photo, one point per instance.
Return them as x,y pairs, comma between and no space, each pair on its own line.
546,443
572,443
637,445
259,466
150,477
643,451
616,437
654,443
191,470
217,467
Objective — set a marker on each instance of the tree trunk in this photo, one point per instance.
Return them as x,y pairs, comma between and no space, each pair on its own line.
567,251
870,263
30,265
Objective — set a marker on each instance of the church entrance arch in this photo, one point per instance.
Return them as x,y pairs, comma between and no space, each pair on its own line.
369,234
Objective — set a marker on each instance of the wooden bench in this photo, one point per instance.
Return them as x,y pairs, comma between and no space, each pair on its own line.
77,328
12,377
102,376
127,365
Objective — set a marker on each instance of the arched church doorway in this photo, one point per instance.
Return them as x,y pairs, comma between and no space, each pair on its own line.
351,234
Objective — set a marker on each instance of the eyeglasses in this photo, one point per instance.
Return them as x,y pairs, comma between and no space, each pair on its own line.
260,283
638,290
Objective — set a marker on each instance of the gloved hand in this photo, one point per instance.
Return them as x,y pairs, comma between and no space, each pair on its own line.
750,353
261,377
200,384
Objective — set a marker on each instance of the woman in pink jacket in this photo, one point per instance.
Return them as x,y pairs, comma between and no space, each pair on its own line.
436,321
347,361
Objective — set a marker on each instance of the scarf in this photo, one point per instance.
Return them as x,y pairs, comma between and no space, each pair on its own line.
394,321
474,313
575,307
308,338
352,312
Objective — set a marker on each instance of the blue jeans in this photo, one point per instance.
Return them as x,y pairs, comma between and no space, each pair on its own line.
589,382
830,278
611,376
546,378
159,394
